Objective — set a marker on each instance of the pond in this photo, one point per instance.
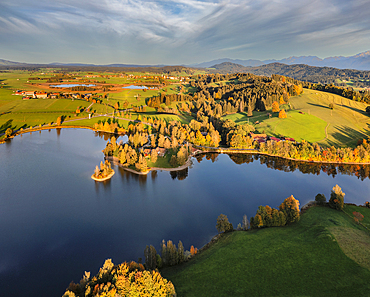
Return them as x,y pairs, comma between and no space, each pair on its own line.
132,87
72,85
56,222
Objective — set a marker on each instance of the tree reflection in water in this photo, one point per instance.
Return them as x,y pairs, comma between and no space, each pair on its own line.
361,171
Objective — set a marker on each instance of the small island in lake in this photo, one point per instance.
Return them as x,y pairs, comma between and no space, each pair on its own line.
103,173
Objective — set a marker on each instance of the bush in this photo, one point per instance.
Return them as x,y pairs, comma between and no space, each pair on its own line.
368,109
320,199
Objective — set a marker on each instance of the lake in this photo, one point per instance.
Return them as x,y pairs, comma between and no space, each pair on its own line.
56,222
132,87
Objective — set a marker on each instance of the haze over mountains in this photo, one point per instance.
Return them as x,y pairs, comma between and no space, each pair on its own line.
359,62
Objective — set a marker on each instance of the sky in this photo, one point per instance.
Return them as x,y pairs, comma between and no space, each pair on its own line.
175,32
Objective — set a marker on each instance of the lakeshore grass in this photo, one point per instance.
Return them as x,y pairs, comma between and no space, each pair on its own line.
303,259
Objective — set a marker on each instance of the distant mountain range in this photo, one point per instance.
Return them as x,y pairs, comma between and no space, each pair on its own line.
11,63
360,62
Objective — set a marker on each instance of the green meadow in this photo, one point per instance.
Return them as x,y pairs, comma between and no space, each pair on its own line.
311,119
321,255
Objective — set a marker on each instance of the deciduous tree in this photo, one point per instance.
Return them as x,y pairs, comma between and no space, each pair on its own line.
336,200
290,208
223,224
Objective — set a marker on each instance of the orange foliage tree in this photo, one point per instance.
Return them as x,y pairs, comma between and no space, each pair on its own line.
275,107
290,207
282,114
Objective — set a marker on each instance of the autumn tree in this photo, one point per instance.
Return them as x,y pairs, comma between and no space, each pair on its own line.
116,106
290,208
250,111
193,250
153,156
141,165
223,224
275,107
336,200
320,199
8,132
282,114
59,120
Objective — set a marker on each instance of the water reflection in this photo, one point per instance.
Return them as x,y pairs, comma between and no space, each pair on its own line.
180,174
361,171
106,185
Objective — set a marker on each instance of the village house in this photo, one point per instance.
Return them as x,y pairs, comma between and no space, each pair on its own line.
274,139
30,94
161,151
41,95
147,152
258,137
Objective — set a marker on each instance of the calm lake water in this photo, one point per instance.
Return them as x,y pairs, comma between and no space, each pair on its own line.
56,222
132,87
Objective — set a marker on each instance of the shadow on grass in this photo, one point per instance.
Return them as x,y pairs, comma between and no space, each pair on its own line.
347,136
318,105
363,112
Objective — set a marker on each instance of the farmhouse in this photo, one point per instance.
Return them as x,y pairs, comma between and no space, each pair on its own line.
161,151
41,95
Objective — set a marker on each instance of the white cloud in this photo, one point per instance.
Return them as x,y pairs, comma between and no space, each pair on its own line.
196,29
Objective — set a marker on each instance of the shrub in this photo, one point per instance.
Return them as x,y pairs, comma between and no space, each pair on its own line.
320,199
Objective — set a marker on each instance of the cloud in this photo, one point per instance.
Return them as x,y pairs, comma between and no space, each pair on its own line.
185,30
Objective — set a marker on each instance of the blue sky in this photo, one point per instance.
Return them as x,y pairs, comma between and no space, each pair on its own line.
180,31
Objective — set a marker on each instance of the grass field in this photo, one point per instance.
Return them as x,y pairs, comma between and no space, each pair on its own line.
348,121
303,259
344,125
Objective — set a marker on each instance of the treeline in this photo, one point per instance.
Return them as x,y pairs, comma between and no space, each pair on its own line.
170,255
313,152
125,279
242,92
346,92
109,125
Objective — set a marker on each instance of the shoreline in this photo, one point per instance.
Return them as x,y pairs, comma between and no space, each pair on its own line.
182,167
187,163
109,176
